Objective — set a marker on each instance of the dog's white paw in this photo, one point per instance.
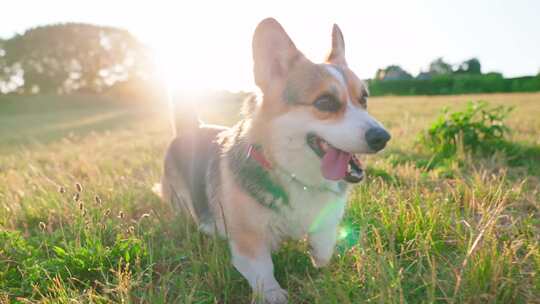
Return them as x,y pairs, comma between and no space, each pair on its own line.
319,261
274,296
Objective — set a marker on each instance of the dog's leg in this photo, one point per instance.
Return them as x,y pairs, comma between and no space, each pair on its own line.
323,236
257,267
322,245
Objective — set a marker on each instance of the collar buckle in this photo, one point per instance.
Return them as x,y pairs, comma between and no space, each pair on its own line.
254,153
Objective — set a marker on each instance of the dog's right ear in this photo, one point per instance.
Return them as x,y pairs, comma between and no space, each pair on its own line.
273,53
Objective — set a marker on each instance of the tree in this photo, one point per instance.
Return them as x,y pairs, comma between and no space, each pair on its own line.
11,75
471,66
64,58
392,72
439,67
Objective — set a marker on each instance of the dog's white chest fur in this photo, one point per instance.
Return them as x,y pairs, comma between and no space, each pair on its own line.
309,211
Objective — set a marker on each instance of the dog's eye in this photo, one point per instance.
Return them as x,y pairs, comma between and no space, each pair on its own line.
363,101
327,103
363,98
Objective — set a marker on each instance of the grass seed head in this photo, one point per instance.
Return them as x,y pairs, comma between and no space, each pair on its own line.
98,200
78,186
76,197
42,226
121,215
62,190
107,212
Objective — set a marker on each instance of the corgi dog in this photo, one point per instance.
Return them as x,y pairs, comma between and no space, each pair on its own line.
283,171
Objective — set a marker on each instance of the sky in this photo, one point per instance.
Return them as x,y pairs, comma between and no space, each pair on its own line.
207,44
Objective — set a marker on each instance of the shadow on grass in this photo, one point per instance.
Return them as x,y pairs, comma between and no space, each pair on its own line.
522,155
515,155
28,120
374,172
399,157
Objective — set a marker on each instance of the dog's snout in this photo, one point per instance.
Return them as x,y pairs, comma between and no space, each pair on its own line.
377,138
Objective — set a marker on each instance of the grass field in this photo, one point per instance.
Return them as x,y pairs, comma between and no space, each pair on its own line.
467,232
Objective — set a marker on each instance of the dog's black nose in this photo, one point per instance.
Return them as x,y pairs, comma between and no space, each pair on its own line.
377,138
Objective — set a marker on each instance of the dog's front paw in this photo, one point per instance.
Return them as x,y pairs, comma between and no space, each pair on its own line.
274,296
319,262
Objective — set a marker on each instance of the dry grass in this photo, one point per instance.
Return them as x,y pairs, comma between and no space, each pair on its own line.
465,233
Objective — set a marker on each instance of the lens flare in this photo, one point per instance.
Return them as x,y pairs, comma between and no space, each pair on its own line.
344,232
327,213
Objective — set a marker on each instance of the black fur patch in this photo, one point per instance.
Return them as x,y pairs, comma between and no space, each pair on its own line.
254,179
190,155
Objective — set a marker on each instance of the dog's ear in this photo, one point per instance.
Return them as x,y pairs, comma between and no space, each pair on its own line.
273,53
337,54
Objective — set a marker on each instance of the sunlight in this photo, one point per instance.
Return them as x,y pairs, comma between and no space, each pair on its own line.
178,75
126,132
213,50
195,63
343,233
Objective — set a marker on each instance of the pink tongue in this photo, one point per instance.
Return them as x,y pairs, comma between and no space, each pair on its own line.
335,164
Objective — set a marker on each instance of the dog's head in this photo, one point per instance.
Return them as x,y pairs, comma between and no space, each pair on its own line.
319,107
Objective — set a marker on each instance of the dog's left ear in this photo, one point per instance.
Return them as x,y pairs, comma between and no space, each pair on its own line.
337,54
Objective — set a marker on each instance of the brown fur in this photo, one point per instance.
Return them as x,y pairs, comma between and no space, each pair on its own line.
184,181
208,172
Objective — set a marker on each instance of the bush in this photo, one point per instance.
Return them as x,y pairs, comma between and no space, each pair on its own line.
31,265
455,84
479,128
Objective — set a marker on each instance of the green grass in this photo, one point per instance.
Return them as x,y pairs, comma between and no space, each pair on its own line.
465,232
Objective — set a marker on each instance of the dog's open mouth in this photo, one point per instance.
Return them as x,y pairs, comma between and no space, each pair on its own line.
336,164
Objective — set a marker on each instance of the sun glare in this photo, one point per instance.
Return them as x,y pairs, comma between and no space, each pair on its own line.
190,67
175,72
212,50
